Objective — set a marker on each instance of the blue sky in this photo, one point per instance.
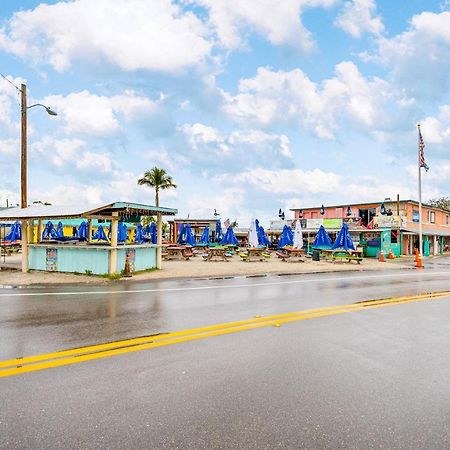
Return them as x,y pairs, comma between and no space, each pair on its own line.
251,105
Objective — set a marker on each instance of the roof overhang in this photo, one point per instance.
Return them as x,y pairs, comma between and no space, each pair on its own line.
75,211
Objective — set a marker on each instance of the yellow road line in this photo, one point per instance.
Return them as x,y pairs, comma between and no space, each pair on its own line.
72,356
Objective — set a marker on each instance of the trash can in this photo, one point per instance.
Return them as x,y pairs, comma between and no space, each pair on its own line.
316,255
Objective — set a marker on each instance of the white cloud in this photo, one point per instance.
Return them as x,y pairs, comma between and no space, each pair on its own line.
436,130
86,113
246,148
72,155
291,97
278,22
286,181
418,58
131,34
358,18
229,202
9,147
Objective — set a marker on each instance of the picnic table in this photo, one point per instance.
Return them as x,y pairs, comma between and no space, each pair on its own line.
216,253
292,254
254,254
179,253
347,255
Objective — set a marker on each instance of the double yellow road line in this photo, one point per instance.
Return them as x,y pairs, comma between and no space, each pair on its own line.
45,361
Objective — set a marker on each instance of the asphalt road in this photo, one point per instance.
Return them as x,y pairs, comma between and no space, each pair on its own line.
375,378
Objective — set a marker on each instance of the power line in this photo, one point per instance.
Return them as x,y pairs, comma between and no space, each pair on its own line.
10,82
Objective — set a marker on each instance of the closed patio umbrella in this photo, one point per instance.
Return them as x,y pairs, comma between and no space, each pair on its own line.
343,239
83,231
204,239
190,240
100,235
153,233
181,234
139,234
218,235
229,237
298,236
287,238
253,234
322,239
60,230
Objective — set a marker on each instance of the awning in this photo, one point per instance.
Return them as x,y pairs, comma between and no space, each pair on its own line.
72,211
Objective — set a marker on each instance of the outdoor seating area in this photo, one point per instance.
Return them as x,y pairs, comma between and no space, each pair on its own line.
100,242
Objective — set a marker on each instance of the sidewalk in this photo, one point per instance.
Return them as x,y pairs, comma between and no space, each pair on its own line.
10,275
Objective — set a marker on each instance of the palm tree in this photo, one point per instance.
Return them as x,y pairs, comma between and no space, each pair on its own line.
157,178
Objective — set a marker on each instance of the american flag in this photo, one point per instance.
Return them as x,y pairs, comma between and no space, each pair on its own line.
422,162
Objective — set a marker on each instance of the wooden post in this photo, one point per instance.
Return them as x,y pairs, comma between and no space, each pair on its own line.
158,240
24,240
113,252
89,225
39,231
23,154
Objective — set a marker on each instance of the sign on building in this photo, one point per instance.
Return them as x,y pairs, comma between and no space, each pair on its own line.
389,222
314,224
332,223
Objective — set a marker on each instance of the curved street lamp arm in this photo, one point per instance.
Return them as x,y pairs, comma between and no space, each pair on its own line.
47,108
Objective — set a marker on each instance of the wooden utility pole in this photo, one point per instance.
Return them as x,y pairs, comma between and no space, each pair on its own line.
23,155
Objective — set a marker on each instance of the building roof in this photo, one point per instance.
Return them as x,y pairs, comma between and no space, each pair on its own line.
73,211
386,202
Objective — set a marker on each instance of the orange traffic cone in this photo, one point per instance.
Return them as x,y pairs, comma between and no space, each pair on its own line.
419,263
416,255
381,258
390,255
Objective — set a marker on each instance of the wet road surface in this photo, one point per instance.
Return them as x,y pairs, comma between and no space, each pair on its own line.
376,378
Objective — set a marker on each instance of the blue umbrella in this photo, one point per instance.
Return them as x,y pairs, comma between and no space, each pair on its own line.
343,239
229,237
190,240
60,230
122,232
49,231
83,231
15,232
181,234
100,234
153,232
287,237
322,238
204,239
139,234
218,234
262,237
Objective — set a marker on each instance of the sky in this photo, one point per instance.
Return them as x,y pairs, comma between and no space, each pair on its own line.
250,105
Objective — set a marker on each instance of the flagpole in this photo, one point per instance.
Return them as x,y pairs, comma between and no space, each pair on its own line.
420,190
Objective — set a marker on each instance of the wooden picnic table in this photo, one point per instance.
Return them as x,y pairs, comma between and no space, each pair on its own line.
254,254
218,253
347,255
292,254
176,253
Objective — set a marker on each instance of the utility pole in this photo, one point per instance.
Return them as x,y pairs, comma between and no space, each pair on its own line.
23,154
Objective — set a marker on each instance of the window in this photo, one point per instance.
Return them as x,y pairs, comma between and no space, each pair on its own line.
446,219
431,216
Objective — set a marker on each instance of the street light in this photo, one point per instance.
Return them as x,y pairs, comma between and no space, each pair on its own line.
23,155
